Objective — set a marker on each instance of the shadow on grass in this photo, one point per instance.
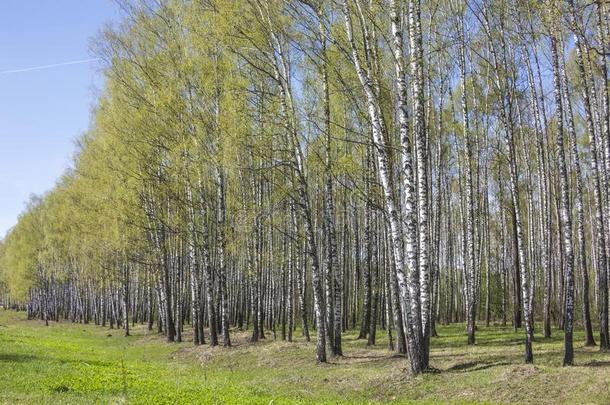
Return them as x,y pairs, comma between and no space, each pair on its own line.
22,358
596,363
88,362
475,366
16,358
368,359
371,357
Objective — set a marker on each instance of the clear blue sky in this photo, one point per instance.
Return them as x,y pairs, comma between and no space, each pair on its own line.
42,112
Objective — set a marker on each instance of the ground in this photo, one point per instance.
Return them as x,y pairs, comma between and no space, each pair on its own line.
75,363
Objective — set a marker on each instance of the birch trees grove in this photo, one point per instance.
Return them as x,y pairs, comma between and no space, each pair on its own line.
302,169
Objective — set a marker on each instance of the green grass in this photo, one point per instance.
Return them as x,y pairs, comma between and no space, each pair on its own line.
75,363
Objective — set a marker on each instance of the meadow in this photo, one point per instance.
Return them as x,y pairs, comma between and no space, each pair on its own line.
70,363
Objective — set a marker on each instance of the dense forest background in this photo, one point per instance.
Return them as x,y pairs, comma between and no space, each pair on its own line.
302,168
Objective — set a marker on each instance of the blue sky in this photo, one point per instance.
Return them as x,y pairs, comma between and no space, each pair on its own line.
42,112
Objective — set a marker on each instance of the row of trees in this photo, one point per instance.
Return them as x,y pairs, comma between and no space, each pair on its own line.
284,165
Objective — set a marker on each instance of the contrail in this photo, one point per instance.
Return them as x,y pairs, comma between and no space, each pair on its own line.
74,62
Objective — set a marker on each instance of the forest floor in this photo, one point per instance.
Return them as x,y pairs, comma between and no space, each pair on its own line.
75,363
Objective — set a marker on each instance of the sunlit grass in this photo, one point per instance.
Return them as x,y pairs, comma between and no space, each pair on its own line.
74,363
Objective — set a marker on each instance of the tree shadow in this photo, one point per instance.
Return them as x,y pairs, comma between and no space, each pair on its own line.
596,363
370,357
21,358
16,358
475,366
366,359
95,363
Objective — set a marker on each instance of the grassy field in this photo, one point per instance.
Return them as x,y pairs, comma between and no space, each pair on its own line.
72,363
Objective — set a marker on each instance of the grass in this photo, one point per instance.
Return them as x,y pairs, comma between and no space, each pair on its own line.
69,363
